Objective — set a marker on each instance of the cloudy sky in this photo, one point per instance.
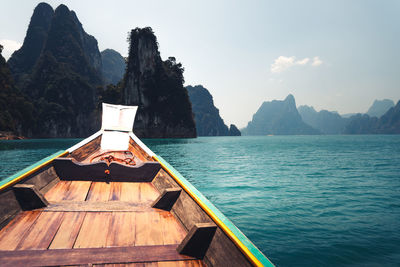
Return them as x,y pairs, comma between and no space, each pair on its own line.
337,55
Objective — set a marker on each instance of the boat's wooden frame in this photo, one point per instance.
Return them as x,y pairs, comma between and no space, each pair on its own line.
201,220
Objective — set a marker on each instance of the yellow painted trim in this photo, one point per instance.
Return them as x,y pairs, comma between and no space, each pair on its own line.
33,170
214,217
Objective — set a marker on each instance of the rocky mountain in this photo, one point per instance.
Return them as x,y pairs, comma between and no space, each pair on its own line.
234,131
16,110
23,60
156,86
278,117
388,123
208,120
326,122
380,107
61,81
113,66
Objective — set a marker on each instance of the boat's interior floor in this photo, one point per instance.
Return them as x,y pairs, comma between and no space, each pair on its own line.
94,215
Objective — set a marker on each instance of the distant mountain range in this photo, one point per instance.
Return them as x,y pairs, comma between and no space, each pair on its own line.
278,118
282,117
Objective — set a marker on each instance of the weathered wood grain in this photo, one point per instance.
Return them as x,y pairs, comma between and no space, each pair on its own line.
42,178
94,230
121,231
148,229
57,257
148,193
42,231
83,152
92,206
115,194
15,231
9,206
173,231
77,191
99,191
68,231
130,192
58,192
138,151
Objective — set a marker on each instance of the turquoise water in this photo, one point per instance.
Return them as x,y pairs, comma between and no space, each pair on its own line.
303,200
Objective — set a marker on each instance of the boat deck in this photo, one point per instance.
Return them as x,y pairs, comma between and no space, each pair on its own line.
96,222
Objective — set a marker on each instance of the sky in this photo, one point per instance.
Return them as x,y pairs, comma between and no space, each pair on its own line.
336,55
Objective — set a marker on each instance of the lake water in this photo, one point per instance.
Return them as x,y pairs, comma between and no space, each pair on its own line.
303,200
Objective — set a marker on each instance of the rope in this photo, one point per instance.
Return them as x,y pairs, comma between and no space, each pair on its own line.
110,158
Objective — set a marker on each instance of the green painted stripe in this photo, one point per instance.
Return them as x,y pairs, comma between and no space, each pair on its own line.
21,172
253,249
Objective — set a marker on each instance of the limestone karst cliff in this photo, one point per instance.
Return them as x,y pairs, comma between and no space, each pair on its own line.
278,117
327,122
61,77
156,86
208,120
113,66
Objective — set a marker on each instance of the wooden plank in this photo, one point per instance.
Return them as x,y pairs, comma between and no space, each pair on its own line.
57,257
173,231
77,191
68,231
43,178
138,151
94,230
148,229
9,206
83,152
148,193
116,189
91,206
58,192
121,231
49,186
130,192
189,263
15,231
42,231
99,191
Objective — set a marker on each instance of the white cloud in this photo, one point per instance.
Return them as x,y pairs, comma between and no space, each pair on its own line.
316,62
9,46
283,63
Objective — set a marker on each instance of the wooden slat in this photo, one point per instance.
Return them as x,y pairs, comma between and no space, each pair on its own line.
137,150
42,231
68,231
99,191
56,257
75,206
94,230
116,189
130,192
148,229
191,263
148,193
83,152
173,231
58,192
15,231
121,231
77,191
